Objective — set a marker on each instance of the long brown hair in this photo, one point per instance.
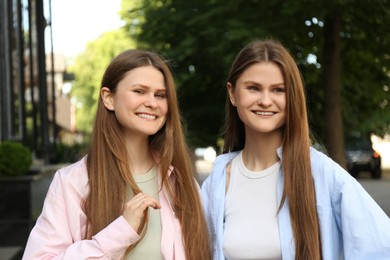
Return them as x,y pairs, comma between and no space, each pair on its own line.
108,164
298,181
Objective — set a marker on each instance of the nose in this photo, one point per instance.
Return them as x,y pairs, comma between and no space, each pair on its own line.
265,99
150,101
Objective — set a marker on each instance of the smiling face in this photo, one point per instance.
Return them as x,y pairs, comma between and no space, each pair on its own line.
139,102
260,98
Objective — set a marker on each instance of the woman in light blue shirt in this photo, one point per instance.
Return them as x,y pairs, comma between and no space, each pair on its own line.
321,211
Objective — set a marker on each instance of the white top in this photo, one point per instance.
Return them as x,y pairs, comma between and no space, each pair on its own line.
251,229
150,245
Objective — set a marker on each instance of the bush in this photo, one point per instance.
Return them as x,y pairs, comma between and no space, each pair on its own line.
70,153
15,159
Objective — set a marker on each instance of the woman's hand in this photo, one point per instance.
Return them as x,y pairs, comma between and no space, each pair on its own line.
135,208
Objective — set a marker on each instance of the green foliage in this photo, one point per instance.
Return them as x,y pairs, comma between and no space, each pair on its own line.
88,69
15,159
366,63
203,36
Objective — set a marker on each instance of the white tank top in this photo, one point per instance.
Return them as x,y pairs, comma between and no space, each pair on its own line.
251,229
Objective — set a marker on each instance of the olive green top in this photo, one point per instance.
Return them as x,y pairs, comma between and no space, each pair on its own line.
150,245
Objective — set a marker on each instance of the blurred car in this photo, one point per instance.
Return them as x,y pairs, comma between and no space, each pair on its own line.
362,157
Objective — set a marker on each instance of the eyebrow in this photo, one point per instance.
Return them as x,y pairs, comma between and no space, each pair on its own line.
147,87
250,82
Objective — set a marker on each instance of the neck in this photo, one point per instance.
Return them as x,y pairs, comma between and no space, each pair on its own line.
140,157
260,150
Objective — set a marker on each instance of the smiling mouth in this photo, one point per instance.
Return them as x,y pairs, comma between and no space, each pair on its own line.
262,113
147,116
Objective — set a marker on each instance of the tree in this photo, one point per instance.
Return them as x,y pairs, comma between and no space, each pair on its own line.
343,54
88,69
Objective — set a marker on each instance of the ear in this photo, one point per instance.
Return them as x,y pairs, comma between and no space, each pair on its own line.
230,90
107,98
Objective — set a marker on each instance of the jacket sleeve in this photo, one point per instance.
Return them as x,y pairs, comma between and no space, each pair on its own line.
213,203
205,191
58,233
364,225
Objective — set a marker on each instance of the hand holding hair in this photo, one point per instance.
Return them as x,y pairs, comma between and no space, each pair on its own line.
134,209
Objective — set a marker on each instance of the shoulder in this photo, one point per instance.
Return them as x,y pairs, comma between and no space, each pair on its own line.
224,159
76,172
217,174
328,174
323,166
319,159
72,178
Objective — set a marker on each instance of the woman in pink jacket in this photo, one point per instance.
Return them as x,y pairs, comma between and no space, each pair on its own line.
133,196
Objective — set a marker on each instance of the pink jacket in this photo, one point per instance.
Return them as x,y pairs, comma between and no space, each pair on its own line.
59,230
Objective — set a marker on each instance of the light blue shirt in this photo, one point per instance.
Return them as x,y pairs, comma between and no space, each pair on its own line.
352,225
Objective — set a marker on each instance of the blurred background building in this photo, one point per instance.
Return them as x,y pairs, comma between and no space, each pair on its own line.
34,108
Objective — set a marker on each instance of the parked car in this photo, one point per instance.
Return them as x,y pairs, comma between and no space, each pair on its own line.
362,157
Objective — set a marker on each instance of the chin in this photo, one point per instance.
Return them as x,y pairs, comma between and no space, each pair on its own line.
154,131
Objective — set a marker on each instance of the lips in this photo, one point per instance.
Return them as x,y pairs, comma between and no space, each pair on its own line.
146,116
264,113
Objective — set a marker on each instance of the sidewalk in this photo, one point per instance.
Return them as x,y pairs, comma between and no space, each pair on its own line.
11,253
21,203
13,238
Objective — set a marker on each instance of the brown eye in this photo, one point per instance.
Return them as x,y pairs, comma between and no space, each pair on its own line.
139,91
252,88
279,90
160,95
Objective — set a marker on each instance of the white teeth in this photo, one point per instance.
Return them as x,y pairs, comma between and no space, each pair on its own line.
146,116
264,113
